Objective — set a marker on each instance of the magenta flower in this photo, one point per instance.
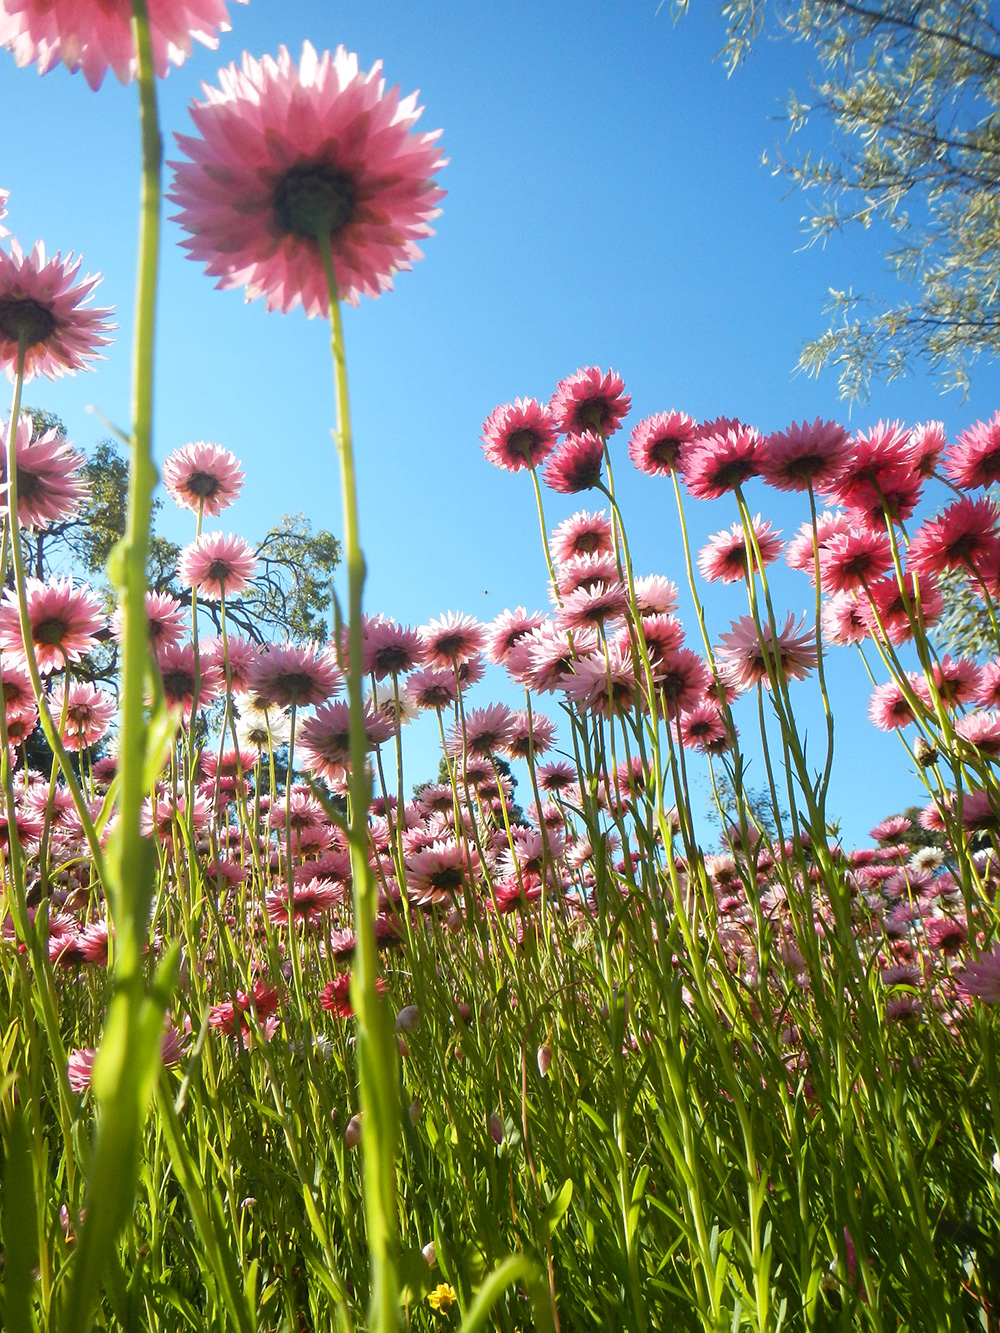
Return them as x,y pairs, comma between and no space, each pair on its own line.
575,464
658,445
311,902
299,674
325,739
42,302
721,461
204,478
926,442
507,629
433,688
889,708
88,714
741,655
80,1067
726,558
974,458
585,608
487,730
388,649
93,35
981,978
682,679
802,456
960,536
851,559
182,684
518,435
286,150
49,485
216,565
65,622
590,400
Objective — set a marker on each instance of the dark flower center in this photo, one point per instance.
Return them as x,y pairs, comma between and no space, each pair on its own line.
177,684
521,442
202,484
21,317
218,572
49,631
313,199
294,683
447,879
665,450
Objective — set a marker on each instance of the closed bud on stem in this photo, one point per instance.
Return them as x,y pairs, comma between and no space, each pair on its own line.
352,1134
544,1059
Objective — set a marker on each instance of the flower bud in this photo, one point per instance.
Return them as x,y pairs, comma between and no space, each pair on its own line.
416,1110
430,1254
544,1059
404,1050
352,1134
496,1128
408,1018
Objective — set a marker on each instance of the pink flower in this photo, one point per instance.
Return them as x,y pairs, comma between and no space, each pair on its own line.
655,595
682,679
800,552
242,659
889,708
91,35
575,464
844,620
88,714
981,978
434,688
590,401
49,485
204,478
871,464
704,728
585,607
299,674
507,629
518,435
720,462
65,622
742,659
182,685
854,558
585,571
166,620
603,685
389,649
216,565
80,1067
286,151
726,558
325,742
657,445
452,639
581,534
957,538
310,902
885,603
802,456
438,872
531,734
486,730
41,302
926,442
974,458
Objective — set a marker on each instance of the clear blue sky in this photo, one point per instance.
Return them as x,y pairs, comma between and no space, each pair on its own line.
606,205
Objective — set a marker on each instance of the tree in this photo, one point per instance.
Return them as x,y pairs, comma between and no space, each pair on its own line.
912,88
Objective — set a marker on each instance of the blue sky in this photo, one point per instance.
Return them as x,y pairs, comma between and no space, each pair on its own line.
607,204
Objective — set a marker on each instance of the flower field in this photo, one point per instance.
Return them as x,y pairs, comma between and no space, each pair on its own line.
288,1043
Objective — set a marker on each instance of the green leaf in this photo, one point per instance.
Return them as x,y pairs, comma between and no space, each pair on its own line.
20,1228
555,1209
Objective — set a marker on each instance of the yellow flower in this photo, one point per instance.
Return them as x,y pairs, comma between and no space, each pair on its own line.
442,1298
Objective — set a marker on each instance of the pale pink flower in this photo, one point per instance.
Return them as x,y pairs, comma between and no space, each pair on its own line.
299,674
49,485
88,714
727,558
80,1067
503,632
439,871
800,554
590,400
584,571
65,621
217,565
989,685
958,681
591,607
388,649
655,595
741,655
682,679
885,597
531,735
93,35
241,659
926,442
42,302
722,461
204,478
981,730
310,903
432,688
981,978
582,533
182,684
844,619
286,150
575,464
518,435
16,691
799,457
889,709
325,741
658,445
452,638
604,685
166,620
486,731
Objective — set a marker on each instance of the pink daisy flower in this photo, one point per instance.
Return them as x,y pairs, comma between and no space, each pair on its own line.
433,688
655,595
889,708
871,461
531,734
575,464
658,445
662,634
438,872
217,565
961,534
204,478
42,302
49,485
581,534
182,685
15,685
295,673
854,558
546,659
604,686
926,442
799,553
242,659
65,622
325,739
166,620
286,150
587,607
981,978
80,1068
584,571
741,655
452,638
590,401
88,714
981,730
720,462
974,458
844,620
507,629
703,728
682,679
311,902
389,649
891,829
989,685
93,35
802,456
885,597
726,558
487,730
958,681
518,435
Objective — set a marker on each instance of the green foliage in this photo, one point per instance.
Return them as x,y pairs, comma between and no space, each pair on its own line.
292,589
912,91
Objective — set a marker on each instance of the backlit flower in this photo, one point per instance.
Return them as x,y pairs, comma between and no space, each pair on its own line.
93,35
581,534
288,150
657,445
590,400
802,456
42,303
216,565
518,435
452,638
744,653
88,714
726,557
974,458
575,463
65,621
204,478
325,739
292,673
960,535
49,485
720,462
